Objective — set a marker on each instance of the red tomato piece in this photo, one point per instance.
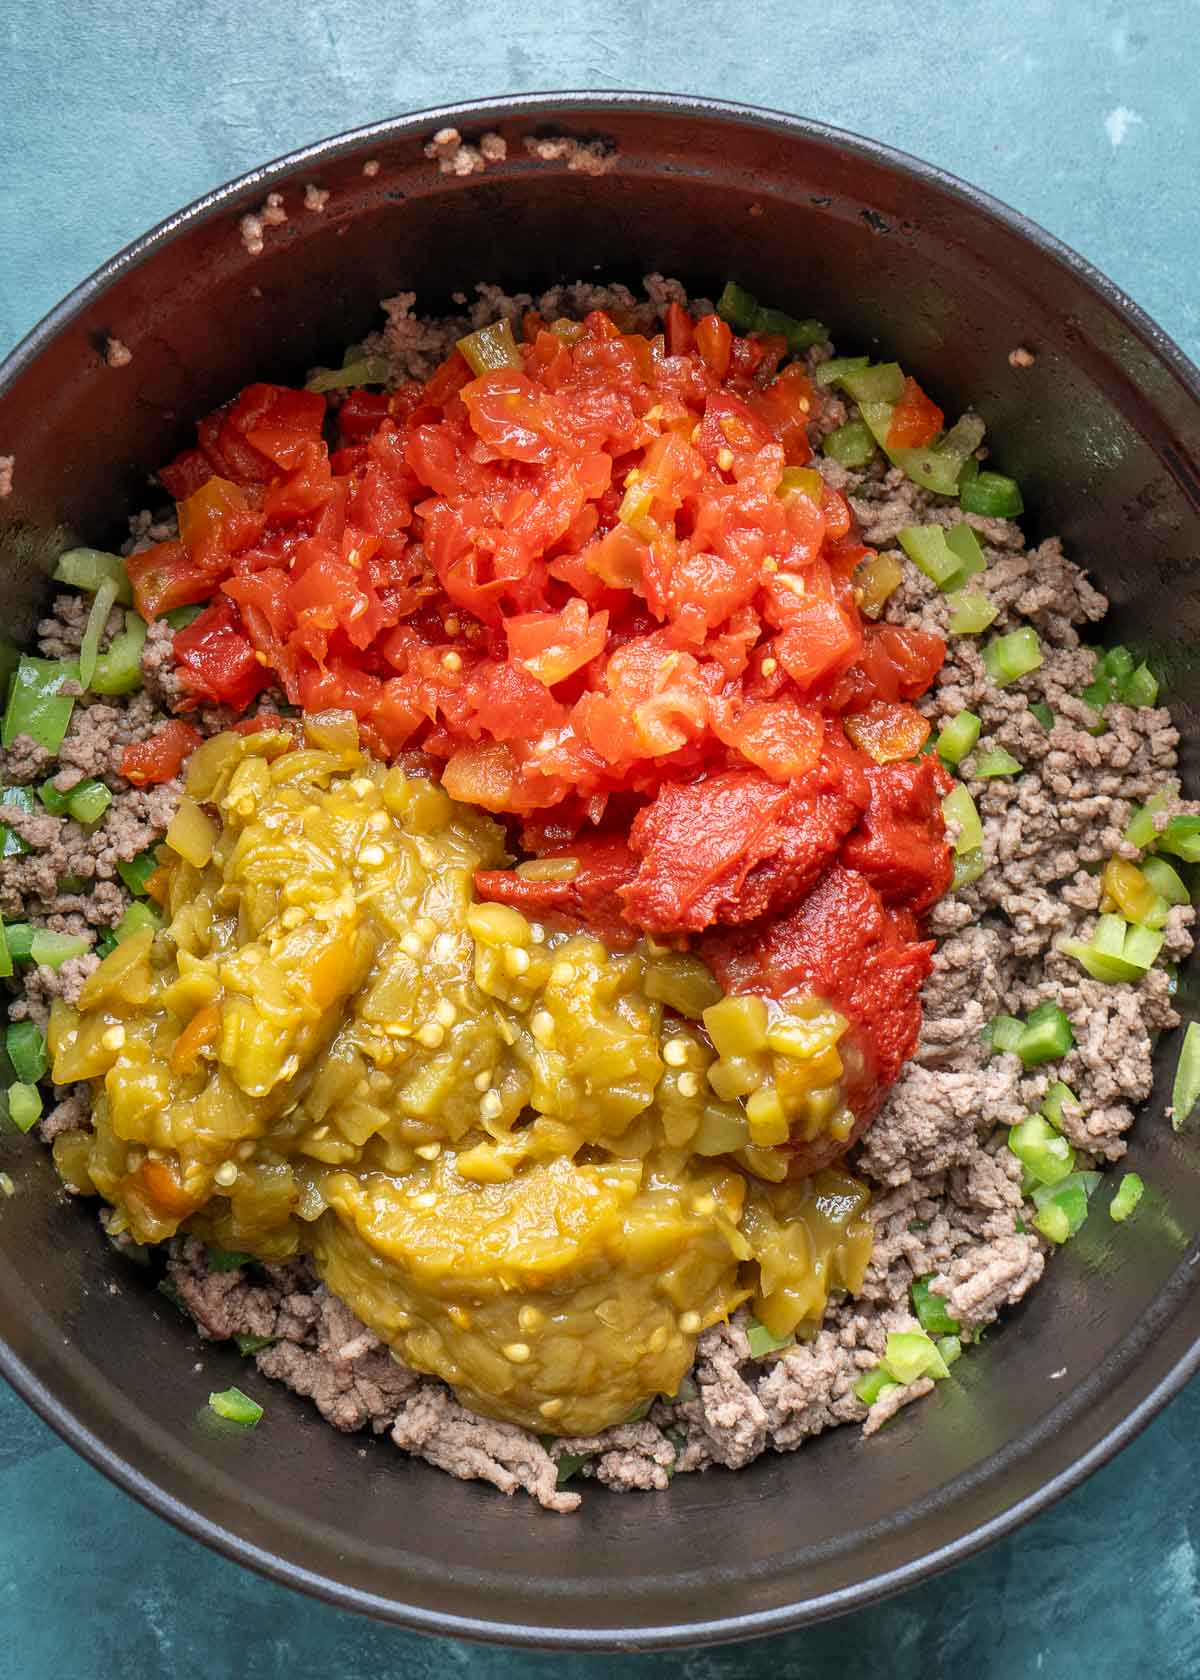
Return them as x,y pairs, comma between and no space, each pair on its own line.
900,845
916,419
160,756
605,865
714,341
215,660
552,646
679,330
166,576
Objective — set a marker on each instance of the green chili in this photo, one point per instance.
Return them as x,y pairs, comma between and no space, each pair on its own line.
119,671
872,1383
237,1407
1042,713
737,306
910,1354
973,612
491,347
41,946
89,647
53,799
1012,656
883,383
1056,1096
138,916
958,807
931,1310
88,568
968,867
26,1048
763,1341
958,737
851,445
1166,881
1186,1090
996,762
37,707
88,800
24,1106
1129,1193
989,493
1005,1032
1142,831
227,1259
254,1344
136,872
1181,838
1062,1207
1047,1155
365,370
927,548
833,371
1047,1036
180,617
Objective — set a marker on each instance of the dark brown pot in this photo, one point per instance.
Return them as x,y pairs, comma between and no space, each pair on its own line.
1104,434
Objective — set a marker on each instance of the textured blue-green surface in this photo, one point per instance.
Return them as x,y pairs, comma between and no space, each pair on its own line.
1084,114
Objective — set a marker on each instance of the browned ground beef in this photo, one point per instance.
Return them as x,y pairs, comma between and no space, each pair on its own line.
947,1191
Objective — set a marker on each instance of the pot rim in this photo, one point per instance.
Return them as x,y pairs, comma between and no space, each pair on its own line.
1075,1468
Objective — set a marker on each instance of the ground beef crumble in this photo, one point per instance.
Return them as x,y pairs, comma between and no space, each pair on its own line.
947,1199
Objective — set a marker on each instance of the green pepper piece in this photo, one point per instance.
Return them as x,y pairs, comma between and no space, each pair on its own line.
958,807
89,647
491,347
872,1383
851,445
1142,831
119,671
927,548
24,1106
1186,1090
138,916
996,762
1181,838
763,1341
1042,713
964,545
180,617
36,704
136,872
883,383
1047,1036
909,1354
932,1312
737,306
1012,656
365,370
1052,1103
1005,1032
88,800
88,568
958,737
990,494
6,961
236,1407
968,867
53,799
1167,882
1129,1193
1048,1156
26,1048
1139,688
973,612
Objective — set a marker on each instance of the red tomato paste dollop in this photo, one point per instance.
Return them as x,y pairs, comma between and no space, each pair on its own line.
591,588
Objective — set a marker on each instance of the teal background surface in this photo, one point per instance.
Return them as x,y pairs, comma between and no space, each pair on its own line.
1085,114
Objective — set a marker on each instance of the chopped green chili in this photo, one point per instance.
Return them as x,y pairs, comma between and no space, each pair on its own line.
37,707
737,306
833,371
851,445
1166,881
972,614
1185,1092
24,1105
931,1309
569,1464
21,799
228,1259
1042,713
6,961
959,808
41,946
910,1354
1046,1155
88,800
119,671
1117,951
963,543
883,383
1142,831
1062,1207
138,916
136,872
254,1344
1056,1096
936,466
996,762
763,1341
235,1406
872,1383
88,568
53,799
1005,1032
927,548
1047,1036
364,370
968,867
180,617
1129,1193
950,1348
1012,656
491,347
26,1046
958,737
1181,838
989,493
89,647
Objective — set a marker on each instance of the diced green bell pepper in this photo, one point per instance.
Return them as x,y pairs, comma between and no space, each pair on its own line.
36,704
88,568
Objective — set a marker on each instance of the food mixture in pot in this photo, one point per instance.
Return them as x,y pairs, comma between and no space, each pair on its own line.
585,887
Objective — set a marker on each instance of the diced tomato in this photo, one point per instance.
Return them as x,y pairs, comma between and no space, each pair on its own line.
900,845
183,476
886,730
714,341
552,646
160,756
215,660
604,865
166,576
916,419
679,330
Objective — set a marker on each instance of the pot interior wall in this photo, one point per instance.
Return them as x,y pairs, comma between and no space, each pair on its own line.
1103,434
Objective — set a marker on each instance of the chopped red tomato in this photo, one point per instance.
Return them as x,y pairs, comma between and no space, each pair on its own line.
215,660
160,756
887,731
916,419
